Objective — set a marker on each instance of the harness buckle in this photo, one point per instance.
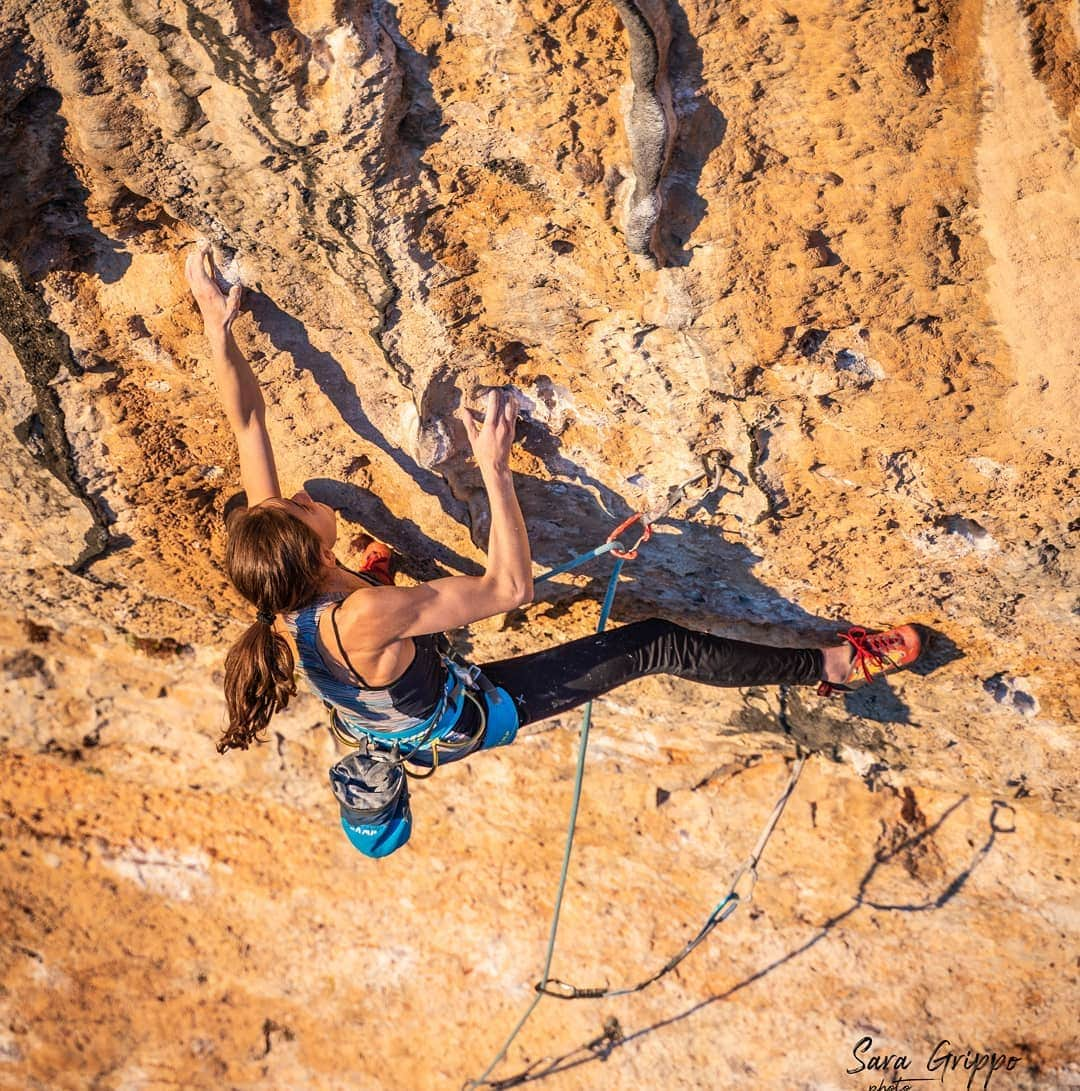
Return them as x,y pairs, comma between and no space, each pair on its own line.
466,673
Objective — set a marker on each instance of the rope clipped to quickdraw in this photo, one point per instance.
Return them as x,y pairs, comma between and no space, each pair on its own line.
731,901
548,986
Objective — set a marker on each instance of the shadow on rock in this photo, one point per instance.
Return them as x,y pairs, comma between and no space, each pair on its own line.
701,129
878,702
419,555
44,223
938,650
667,577
287,334
905,854
574,512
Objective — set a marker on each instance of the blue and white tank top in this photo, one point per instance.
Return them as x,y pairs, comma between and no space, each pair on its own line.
401,706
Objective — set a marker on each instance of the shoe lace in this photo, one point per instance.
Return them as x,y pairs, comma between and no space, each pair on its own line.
870,649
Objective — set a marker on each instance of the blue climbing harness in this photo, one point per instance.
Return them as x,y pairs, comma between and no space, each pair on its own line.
371,784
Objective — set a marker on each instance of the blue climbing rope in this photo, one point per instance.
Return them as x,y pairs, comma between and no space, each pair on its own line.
580,559
586,721
548,986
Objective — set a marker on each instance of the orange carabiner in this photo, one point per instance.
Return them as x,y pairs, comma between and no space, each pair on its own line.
631,553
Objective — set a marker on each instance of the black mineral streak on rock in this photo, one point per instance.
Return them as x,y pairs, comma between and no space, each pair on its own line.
42,349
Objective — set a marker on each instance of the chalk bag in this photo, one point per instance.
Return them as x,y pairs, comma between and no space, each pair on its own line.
374,800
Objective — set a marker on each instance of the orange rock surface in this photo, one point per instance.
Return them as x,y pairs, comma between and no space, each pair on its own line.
863,300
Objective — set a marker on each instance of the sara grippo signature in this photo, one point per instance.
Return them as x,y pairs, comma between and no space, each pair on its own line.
892,1068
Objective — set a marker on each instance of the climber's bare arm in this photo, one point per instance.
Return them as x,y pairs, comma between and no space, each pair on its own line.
243,403
373,618
376,617
241,397
258,474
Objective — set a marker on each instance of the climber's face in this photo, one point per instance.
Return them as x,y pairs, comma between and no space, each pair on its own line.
320,517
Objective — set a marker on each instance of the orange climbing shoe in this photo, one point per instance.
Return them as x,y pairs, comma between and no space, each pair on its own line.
874,654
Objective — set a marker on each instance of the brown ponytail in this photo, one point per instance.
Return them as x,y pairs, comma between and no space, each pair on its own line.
274,560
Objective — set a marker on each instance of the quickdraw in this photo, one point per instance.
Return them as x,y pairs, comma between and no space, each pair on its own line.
731,901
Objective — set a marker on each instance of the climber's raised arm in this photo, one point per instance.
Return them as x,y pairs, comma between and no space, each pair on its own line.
374,618
241,397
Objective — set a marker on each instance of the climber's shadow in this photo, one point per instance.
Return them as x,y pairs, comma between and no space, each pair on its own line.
938,649
701,129
288,335
906,854
564,503
669,577
418,555
554,504
877,702
721,595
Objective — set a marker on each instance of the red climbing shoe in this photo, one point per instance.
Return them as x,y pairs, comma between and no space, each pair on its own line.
875,653
377,559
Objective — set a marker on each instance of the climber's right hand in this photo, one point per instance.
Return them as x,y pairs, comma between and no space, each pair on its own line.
218,310
491,442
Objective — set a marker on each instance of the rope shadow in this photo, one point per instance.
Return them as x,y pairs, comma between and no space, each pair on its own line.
613,1037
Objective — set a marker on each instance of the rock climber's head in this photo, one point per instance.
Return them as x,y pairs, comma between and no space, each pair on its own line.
320,517
278,555
279,551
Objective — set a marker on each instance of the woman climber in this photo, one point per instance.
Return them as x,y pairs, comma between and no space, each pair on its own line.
374,652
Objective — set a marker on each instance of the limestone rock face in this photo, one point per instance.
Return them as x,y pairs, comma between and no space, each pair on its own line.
853,290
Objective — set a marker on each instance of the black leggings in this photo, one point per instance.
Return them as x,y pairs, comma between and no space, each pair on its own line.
558,679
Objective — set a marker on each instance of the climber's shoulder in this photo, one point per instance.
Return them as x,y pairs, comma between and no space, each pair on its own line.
368,617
